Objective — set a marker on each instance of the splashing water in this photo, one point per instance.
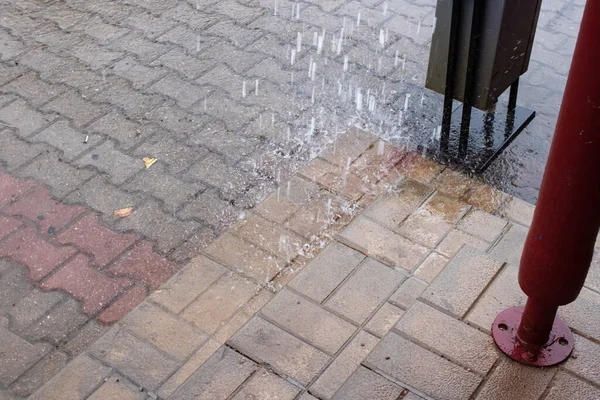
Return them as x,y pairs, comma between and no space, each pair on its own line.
293,57
256,88
358,19
406,101
345,63
243,89
299,42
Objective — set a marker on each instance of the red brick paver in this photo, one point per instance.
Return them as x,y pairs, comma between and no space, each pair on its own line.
8,225
11,188
124,305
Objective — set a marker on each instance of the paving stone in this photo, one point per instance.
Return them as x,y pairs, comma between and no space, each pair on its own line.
241,13
14,284
101,195
385,318
75,382
431,267
269,236
183,92
37,255
485,198
379,242
76,108
190,67
167,148
152,222
94,54
123,305
510,246
453,183
585,361
321,276
58,324
133,103
348,147
565,386
190,282
81,281
218,105
83,338
146,50
209,208
117,388
33,89
581,314
31,307
457,287
164,331
116,164
8,225
245,258
40,373
335,179
365,291
12,188
143,264
16,152
456,239
216,137
518,211
482,225
422,370
526,382
266,385
408,293
279,209
220,376
419,168
121,129
264,342
308,321
25,119
187,38
452,338
366,384
48,213
18,355
433,220
89,235
77,75
219,303
344,365
126,353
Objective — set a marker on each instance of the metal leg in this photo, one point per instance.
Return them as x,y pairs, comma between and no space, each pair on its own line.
488,127
465,129
512,105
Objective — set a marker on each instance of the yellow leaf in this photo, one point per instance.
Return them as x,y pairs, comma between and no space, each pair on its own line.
123,212
148,161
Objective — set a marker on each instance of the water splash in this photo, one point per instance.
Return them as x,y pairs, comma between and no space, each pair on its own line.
299,42
256,88
243,89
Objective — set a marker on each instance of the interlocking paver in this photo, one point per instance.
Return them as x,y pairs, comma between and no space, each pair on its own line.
519,211
40,373
408,293
73,106
58,324
421,369
8,225
32,88
117,165
117,387
24,118
123,305
68,140
264,342
266,385
123,130
366,384
31,307
275,239
370,286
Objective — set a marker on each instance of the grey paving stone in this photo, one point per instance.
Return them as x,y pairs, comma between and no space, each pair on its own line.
8,72
18,355
58,324
211,169
365,291
585,361
344,365
264,342
40,373
139,75
61,177
69,141
10,48
26,120
76,381
14,284
223,141
265,385
126,353
78,76
16,152
83,338
152,25
103,32
457,287
117,387
94,54
183,92
366,384
155,224
408,293
218,377
117,165
196,14
178,121
221,107
565,386
32,88
189,39
134,103
454,339
308,321
76,108
239,12
31,307
237,35
123,130
320,277
483,225
188,66
422,370
145,49
210,209
510,246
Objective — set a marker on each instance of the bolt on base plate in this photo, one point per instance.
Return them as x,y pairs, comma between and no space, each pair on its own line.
557,350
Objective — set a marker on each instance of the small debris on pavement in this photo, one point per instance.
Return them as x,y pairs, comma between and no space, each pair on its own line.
123,212
148,161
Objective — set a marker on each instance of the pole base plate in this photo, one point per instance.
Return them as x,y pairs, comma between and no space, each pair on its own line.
557,350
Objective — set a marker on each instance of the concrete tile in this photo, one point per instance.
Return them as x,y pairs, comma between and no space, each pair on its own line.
582,314
482,225
518,211
431,267
308,321
418,168
408,293
264,342
117,388
525,382
450,337
585,361
384,320
219,377
278,209
348,146
323,274
456,239
366,384
421,369
566,386
510,246
266,385
344,365
365,291
381,243
334,178
458,286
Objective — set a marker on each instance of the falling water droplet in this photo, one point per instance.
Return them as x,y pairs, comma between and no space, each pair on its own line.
345,63
292,79
396,59
103,75
314,71
312,99
422,99
403,61
380,147
358,19
385,8
243,89
358,99
289,187
293,57
382,38
198,43
275,8
297,10
299,42
205,103
256,88
406,100
419,28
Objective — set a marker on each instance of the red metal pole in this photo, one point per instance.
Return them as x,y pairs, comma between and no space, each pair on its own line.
560,244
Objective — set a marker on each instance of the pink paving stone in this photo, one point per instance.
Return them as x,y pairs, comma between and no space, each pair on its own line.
11,188
48,213
93,238
124,305
39,256
143,264
87,284
8,225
